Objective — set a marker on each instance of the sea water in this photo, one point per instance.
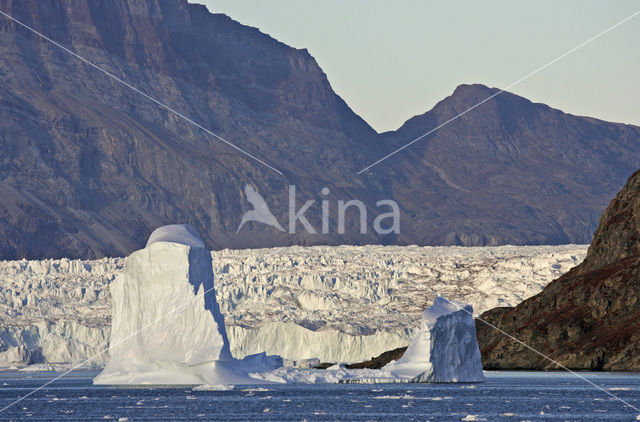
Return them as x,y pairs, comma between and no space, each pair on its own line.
510,396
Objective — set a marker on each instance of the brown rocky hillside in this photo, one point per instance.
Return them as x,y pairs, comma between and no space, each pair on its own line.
590,317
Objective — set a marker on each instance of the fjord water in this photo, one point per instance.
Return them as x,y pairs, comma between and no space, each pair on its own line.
505,396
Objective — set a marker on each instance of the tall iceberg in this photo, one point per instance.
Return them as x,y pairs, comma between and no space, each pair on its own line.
445,349
167,326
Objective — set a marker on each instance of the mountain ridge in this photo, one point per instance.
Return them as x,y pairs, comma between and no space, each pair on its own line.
89,168
490,90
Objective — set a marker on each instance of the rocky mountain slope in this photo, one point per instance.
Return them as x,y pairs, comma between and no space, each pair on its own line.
344,303
589,317
88,168
510,171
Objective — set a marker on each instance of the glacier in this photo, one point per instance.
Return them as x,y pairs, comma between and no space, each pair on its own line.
337,304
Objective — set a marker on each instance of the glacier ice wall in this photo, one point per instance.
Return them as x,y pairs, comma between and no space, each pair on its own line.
299,300
291,341
59,310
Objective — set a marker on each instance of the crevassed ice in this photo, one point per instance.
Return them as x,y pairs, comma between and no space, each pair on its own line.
344,303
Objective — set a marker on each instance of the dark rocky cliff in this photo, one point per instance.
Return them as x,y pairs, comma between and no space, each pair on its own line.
590,317
89,168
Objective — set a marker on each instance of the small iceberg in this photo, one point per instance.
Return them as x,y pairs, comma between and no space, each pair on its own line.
445,349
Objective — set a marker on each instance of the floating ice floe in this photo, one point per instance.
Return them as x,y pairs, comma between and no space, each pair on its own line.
168,329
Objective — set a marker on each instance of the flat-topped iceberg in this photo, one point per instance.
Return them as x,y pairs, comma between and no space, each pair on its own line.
167,326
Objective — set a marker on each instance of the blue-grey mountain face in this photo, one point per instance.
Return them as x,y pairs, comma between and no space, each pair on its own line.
89,168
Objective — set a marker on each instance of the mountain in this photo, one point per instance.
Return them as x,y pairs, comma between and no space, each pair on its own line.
510,171
588,318
89,167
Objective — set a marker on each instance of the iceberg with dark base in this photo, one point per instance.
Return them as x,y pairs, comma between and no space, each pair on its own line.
444,350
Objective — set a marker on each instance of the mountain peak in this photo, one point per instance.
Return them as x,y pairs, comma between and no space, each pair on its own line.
463,98
470,95
466,90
